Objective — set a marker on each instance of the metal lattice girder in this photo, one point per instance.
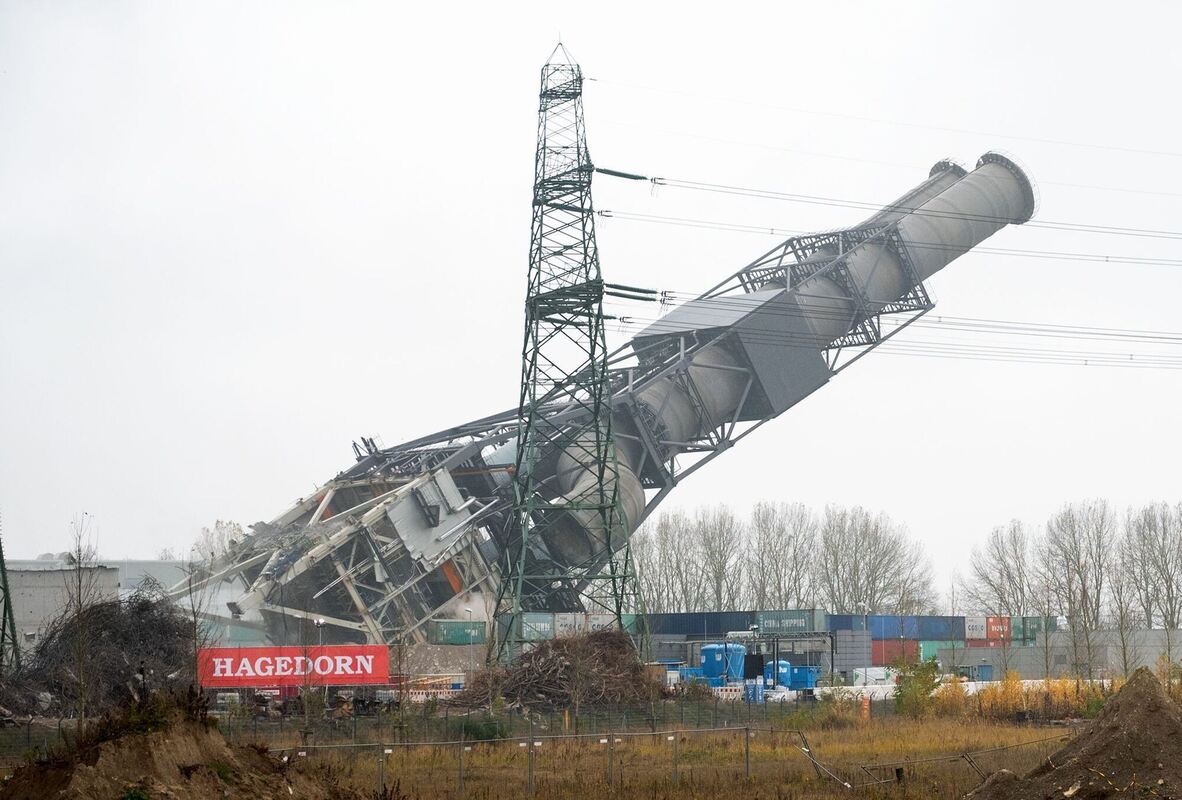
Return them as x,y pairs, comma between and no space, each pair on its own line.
405,533
561,538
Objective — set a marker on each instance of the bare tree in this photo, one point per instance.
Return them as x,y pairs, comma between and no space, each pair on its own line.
868,563
1076,552
999,572
1123,606
82,590
780,547
718,534
213,543
669,564
196,604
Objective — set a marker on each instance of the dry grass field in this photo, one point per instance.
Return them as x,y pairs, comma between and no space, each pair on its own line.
708,762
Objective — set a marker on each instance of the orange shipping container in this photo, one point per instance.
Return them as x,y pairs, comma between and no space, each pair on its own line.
997,628
887,652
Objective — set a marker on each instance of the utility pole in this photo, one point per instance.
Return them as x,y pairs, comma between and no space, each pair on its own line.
564,409
10,654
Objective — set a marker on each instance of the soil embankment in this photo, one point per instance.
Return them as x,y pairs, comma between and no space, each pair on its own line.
1133,749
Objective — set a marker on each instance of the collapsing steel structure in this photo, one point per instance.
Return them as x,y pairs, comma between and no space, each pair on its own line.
407,533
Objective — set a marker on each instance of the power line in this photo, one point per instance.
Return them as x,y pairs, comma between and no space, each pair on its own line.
952,324
878,162
961,350
1054,255
898,123
769,194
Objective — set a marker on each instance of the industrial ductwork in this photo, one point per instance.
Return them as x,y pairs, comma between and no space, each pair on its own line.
395,539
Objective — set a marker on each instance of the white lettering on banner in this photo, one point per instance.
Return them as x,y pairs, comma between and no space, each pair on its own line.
286,666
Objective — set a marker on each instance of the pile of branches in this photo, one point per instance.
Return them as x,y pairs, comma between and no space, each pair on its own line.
110,653
594,669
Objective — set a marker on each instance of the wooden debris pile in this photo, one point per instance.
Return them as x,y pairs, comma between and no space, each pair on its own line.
103,657
593,669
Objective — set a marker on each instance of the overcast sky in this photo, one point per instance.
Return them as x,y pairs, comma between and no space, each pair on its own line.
236,236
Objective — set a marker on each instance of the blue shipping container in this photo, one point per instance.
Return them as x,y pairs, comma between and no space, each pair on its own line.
847,622
894,627
940,628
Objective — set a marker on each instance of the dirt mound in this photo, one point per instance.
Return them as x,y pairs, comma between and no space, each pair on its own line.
187,761
1133,749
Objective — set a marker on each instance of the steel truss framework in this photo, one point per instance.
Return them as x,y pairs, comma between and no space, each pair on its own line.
565,466
400,536
393,606
10,654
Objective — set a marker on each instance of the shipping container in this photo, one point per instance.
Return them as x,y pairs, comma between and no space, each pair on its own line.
599,622
987,642
847,622
701,624
686,624
797,621
569,624
997,627
893,627
885,652
537,626
941,628
455,631
719,623
1033,626
930,649
976,627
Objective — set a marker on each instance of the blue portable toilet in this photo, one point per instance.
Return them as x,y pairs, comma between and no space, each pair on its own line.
803,678
780,670
723,661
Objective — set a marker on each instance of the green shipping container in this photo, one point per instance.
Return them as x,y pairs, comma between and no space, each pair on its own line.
456,631
1017,629
930,649
1033,626
797,621
537,627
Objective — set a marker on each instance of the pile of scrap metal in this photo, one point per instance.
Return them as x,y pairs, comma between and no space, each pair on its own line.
408,533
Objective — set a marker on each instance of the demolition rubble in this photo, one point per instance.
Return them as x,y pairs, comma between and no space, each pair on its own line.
592,669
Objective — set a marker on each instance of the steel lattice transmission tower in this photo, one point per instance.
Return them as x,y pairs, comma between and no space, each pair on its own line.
566,475
10,655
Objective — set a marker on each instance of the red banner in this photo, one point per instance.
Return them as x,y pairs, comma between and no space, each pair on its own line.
335,665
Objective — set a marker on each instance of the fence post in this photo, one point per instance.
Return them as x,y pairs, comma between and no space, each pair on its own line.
529,761
462,762
676,736
611,751
381,771
747,752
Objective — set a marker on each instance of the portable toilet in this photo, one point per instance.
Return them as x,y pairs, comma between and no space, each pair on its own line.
780,670
803,678
722,662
